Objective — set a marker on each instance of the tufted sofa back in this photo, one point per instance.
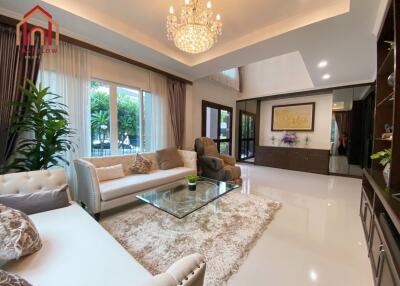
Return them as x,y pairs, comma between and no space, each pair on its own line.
30,182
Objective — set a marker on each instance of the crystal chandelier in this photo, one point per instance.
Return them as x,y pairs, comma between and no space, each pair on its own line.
196,31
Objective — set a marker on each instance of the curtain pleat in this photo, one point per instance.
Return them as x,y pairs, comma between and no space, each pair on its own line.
177,106
15,68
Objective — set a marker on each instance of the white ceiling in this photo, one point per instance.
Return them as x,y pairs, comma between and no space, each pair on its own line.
253,30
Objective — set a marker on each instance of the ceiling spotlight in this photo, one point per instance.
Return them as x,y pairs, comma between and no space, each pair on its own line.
326,76
322,64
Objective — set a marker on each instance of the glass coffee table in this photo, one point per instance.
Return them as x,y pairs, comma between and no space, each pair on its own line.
178,200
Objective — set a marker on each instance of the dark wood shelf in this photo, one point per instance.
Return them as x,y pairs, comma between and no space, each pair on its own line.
388,100
387,66
382,139
385,195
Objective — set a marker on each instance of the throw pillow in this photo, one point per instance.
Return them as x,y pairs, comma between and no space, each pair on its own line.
169,158
18,235
37,202
110,173
141,165
9,279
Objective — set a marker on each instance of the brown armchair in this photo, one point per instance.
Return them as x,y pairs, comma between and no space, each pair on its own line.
214,165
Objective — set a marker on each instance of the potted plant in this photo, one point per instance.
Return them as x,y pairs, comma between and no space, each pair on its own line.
45,120
192,182
386,158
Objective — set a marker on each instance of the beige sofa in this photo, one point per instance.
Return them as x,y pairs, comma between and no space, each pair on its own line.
105,195
78,251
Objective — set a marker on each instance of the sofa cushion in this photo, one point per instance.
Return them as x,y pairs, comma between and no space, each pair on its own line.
169,158
110,173
37,202
18,234
135,183
77,251
141,165
9,279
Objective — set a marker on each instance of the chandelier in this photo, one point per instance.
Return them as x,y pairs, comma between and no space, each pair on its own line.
196,30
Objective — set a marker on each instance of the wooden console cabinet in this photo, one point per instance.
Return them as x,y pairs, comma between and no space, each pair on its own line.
380,216
292,158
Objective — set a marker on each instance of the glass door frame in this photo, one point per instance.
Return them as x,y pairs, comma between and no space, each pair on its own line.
219,107
247,139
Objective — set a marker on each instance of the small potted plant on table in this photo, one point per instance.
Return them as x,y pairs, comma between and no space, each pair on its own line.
192,182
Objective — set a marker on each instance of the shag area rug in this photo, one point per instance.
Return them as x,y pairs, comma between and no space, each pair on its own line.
157,239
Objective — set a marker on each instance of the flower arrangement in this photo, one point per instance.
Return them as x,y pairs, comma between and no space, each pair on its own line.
289,138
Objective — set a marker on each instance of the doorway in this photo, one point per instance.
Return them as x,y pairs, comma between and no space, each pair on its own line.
247,133
217,125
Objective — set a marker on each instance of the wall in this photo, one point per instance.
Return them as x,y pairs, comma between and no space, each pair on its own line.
319,139
209,90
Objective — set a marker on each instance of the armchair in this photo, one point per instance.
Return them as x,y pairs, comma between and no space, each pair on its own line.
214,165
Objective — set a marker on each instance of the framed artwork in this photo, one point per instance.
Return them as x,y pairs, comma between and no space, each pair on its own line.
293,117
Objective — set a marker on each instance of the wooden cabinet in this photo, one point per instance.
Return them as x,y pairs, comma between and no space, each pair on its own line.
297,159
380,216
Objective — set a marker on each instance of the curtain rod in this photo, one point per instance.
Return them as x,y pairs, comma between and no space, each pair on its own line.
13,22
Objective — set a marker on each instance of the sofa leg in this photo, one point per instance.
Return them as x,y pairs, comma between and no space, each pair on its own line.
97,216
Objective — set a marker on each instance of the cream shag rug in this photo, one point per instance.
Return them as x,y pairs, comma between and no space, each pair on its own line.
157,239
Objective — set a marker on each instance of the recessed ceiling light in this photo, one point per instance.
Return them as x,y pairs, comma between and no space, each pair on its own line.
313,276
322,64
326,76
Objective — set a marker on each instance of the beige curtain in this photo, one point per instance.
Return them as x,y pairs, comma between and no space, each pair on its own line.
177,107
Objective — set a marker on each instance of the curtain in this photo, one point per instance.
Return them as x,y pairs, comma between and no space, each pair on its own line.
343,121
67,74
15,69
177,106
157,118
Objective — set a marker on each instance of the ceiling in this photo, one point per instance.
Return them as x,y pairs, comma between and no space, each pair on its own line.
340,31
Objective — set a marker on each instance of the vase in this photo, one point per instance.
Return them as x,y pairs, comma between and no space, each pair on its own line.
391,80
192,186
386,174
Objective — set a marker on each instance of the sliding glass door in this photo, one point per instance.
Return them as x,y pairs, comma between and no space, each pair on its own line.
247,133
217,125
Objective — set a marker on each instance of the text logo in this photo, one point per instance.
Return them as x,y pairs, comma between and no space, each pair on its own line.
47,43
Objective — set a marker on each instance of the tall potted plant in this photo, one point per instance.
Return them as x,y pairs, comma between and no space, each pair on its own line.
45,121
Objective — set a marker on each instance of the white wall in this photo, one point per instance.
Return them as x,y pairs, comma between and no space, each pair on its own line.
281,74
319,139
209,90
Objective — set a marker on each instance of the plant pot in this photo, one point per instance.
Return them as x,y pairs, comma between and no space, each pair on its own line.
386,174
192,186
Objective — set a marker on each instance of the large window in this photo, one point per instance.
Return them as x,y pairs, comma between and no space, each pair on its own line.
121,119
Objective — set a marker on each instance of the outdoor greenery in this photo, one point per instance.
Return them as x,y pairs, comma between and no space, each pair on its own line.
128,114
45,120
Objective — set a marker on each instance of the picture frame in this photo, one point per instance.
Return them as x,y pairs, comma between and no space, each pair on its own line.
299,117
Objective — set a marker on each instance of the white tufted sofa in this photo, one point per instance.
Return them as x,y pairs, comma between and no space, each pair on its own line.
101,196
78,251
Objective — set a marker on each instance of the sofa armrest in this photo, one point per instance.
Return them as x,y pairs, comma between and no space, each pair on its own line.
88,185
188,271
212,163
230,160
189,159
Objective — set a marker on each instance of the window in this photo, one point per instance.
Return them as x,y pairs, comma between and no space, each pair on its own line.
100,118
122,120
217,125
128,105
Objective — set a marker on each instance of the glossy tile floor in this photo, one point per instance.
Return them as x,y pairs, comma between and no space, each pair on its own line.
315,239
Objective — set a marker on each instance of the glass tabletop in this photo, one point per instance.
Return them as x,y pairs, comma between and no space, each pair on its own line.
180,200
